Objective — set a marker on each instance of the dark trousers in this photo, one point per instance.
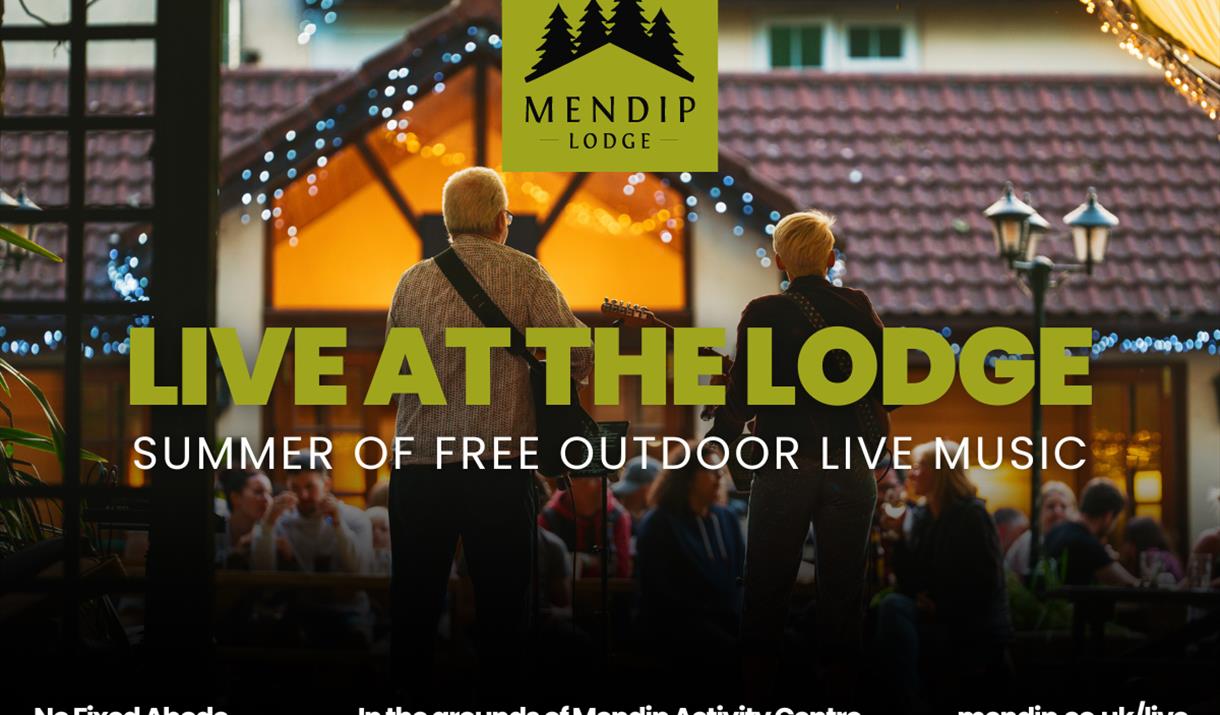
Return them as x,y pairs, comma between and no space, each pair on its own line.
839,504
493,512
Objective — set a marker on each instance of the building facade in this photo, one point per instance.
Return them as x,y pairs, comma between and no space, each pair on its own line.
904,123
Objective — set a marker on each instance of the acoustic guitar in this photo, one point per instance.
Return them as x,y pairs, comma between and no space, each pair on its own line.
871,416
639,316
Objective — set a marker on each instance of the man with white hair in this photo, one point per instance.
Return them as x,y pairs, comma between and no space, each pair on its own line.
493,512
839,502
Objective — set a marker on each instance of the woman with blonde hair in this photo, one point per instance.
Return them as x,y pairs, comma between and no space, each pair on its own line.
786,500
950,608
1056,504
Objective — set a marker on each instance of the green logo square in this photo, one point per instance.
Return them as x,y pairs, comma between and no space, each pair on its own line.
600,85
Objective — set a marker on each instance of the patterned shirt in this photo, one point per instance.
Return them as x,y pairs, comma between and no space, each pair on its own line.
527,296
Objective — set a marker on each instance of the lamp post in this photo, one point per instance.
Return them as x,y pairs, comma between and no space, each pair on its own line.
11,255
1017,228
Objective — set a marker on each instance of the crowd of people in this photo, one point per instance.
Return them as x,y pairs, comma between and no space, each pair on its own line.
304,527
712,580
941,561
946,569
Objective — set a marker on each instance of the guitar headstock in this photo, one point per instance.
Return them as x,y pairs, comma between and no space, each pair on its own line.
639,316
630,313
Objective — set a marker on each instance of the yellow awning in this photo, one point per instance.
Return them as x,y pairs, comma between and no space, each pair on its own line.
1195,23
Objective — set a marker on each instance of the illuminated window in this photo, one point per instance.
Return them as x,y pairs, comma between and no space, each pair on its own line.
1132,415
342,244
622,236
341,241
341,236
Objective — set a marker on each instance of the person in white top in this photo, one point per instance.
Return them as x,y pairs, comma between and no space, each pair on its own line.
1056,505
320,533
379,517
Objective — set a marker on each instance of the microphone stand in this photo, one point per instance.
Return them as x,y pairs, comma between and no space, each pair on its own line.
605,570
604,546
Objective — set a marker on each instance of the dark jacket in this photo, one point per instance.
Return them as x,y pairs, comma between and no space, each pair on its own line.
1084,553
689,568
956,561
808,419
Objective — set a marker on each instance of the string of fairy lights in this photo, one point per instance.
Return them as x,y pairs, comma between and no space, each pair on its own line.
393,102
1177,63
116,341
317,13
305,153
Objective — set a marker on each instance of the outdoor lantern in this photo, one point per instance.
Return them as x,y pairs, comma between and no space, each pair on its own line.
1038,227
1091,224
1010,220
12,255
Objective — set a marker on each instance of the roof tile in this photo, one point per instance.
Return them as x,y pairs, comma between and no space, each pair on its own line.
906,163
932,151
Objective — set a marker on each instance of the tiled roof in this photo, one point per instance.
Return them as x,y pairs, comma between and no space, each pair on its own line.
119,169
905,162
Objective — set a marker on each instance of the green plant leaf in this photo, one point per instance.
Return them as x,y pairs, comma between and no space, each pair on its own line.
57,429
21,521
8,236
41,443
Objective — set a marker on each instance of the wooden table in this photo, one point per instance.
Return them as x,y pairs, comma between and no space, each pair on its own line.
294,579
1094,605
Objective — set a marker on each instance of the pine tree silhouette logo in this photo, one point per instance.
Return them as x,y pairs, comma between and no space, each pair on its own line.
654,41
641,95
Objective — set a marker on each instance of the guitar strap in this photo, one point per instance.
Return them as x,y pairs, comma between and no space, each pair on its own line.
865,417
484,308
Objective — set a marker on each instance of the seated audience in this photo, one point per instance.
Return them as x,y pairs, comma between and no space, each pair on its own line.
575,516
1079,540
892,516
322,533
247,497
1144,541
378,494
554,561
1011,524
1207,545
633,488
950,610
1056,504
691,553
319,534
891,485
554,564
379,520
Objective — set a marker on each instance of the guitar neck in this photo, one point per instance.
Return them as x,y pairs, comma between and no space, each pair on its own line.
645,318
704,351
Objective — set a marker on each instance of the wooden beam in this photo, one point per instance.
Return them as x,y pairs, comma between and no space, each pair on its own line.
182,534
480,111
569,191
387,182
